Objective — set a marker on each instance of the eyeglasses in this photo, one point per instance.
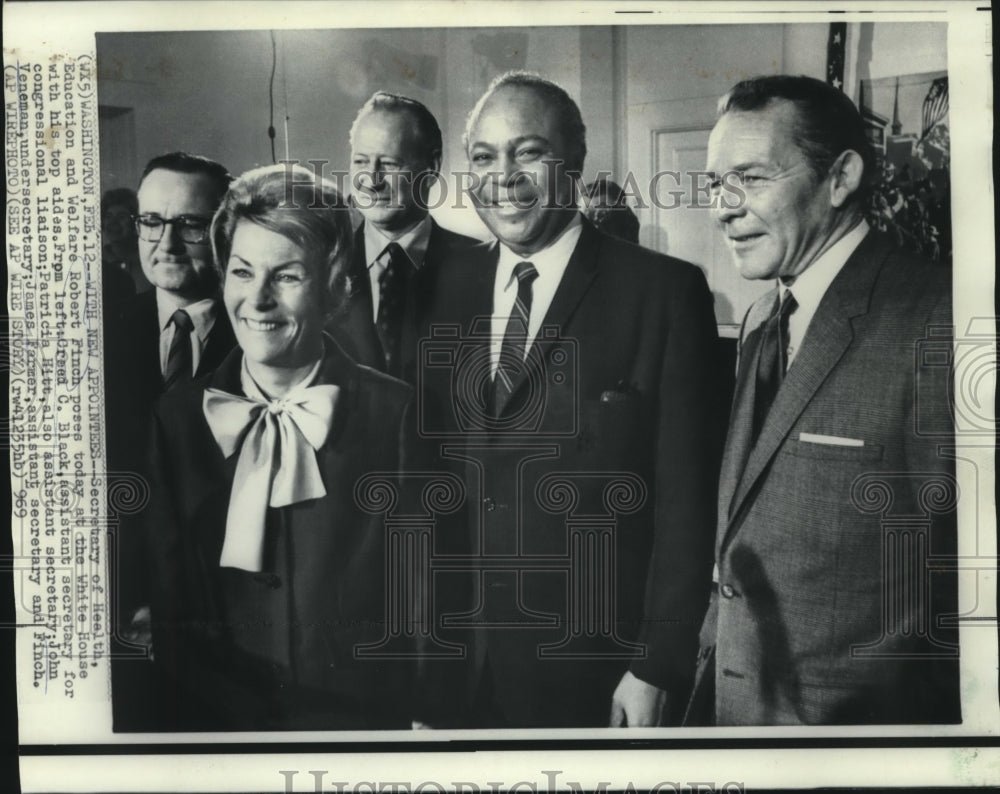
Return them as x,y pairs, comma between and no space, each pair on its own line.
191,228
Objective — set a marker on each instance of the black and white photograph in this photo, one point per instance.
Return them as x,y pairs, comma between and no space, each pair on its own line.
577,390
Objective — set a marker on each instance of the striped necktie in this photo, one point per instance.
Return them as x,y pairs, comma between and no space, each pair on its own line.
513,349
179,363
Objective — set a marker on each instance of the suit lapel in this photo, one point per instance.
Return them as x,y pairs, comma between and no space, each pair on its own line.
741,424
476,297
220,341
831,334
827,339
580,273
419,299
213,489
148,323
356,326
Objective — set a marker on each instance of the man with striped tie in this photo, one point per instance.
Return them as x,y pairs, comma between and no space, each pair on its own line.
156,341
178,330
583,399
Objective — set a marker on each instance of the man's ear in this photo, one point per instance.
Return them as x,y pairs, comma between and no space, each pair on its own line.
425,182
846,174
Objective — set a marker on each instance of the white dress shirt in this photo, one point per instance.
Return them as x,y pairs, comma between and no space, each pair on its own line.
414,243
550,263
811,285
202,314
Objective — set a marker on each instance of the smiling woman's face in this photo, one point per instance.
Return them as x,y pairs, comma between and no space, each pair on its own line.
274,295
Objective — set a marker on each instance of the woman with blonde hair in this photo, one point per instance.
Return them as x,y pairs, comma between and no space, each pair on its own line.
267,575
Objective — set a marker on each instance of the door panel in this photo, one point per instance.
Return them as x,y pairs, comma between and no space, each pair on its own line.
669,112
676,219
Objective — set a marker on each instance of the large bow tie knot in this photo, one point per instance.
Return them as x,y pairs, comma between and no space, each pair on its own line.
277,442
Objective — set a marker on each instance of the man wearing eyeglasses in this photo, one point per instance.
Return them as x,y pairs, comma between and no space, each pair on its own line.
178,195
178,330
155,342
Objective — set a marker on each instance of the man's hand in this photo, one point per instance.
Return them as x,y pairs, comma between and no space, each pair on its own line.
637,704
140,630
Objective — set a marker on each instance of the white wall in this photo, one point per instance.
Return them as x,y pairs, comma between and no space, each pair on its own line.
669,63
207,92
906,48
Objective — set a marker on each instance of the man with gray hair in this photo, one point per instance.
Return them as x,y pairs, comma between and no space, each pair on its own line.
592,404
835,496
395,159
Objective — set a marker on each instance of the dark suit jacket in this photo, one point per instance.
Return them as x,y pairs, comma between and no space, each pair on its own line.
617,432
133,385
825,614
354,327
132,370
275,650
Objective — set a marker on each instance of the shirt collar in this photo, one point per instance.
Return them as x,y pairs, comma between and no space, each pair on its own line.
202,313
555,255
413,241
811,284
252,390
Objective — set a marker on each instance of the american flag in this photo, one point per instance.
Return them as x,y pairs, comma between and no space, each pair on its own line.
935,105
835,48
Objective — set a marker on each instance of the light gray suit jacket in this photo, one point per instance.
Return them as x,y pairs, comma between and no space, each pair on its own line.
828,609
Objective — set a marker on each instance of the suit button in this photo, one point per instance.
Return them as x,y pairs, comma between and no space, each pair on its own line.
268,580
489,504
727,591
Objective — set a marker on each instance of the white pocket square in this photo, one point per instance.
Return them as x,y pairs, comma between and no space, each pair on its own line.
837,441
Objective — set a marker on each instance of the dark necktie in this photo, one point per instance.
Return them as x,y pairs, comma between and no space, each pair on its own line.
392,305
179,363
773,359
515,339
